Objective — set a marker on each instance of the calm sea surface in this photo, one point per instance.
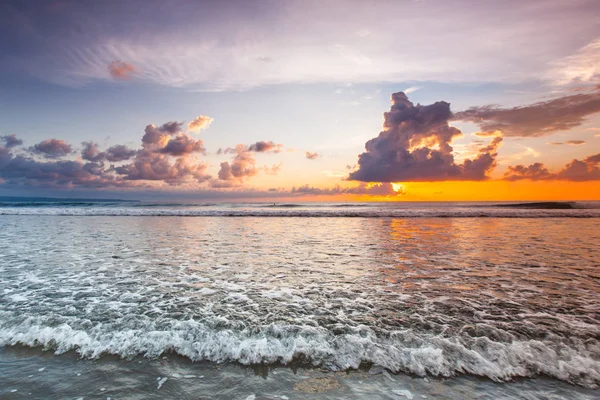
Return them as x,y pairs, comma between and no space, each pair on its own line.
390,301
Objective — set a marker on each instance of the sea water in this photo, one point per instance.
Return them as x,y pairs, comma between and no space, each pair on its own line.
135,300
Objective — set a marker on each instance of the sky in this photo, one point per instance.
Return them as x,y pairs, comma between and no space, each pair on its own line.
414,100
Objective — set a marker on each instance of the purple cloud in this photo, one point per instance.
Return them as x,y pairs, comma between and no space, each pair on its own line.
379,189
11,141
52,148
117,153
415,146
539,119
587,169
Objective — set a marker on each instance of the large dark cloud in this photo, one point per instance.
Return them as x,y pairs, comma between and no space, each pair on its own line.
587,169
52,148
415,145
539,119
11,141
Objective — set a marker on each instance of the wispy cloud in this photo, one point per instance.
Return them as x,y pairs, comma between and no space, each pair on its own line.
411,89
235,48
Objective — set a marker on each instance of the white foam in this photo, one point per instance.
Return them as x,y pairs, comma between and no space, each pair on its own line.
161,382
406,351
367,212
17,298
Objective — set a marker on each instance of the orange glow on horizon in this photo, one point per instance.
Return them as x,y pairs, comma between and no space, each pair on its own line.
492,190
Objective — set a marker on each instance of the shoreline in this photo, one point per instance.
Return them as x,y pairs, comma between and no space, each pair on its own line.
36,373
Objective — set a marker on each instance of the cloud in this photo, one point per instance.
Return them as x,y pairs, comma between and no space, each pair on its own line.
199,123
576,170
181,145
151,166
91,152
539,119
153,162
243,164
52,148
312,156
569,142
167,157
11,141
581,67
26,171
264,147
377,189
120,70
171,48
415,146
412,89
119,152
258,147
169,139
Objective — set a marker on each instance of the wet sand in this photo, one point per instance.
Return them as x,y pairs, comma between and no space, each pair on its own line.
34,374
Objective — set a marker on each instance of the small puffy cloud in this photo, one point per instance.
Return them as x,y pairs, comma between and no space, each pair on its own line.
539,119
243,164
11,141
415,145
312,156
587,169
199,123
120,70
52,148
264,147
170,139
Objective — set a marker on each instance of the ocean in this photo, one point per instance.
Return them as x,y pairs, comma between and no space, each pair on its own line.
139,300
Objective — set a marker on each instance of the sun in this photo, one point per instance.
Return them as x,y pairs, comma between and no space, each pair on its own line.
398,187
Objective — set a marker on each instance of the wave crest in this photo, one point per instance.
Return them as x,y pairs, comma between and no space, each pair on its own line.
402,351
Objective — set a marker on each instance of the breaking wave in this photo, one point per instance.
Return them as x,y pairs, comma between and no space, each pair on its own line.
400,351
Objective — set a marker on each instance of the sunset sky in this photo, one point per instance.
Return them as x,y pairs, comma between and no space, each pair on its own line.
416,100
